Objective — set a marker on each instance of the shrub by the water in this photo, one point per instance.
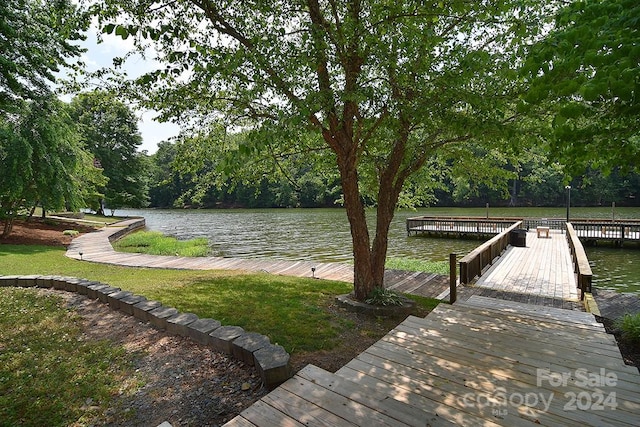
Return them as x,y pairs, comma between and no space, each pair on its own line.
630,326
156,243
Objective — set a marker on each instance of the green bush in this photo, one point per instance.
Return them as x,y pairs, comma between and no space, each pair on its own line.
71,233
384,297
629,324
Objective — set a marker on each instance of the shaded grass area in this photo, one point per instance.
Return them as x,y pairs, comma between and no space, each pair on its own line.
156,243
291,311
48,375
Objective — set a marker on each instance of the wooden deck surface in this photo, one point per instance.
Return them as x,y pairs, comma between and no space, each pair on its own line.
542,269
95,247
478,363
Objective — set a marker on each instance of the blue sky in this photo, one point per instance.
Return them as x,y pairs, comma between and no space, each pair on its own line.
101,55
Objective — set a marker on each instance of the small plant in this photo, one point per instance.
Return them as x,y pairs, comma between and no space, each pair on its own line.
384,297
629,324
72,233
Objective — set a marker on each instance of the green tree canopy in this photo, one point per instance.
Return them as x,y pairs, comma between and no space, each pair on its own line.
43,162
35,42
110,132
586,74
383,85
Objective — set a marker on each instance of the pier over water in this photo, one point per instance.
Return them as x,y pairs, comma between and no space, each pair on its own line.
591,232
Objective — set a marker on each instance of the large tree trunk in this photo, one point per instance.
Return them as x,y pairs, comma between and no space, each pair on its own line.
368,259
364,279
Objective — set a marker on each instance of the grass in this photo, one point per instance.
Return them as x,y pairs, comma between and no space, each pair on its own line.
291,311
102,219
156,243
408,264
48,375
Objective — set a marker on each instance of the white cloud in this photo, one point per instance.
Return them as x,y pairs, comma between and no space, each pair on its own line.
154,132
101,55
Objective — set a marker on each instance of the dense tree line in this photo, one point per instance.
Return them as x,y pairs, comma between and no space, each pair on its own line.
531,180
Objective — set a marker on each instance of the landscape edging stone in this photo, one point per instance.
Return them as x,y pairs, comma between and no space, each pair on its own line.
271,361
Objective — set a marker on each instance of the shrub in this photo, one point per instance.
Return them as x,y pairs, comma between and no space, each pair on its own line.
629,324
71,233
384,297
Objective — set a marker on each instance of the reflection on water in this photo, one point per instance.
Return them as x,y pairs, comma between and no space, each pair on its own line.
616,269
323,235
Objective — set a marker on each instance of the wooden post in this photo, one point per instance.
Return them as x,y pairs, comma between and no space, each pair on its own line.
613,211
452,279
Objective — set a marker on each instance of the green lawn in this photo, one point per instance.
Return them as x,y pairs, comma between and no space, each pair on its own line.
291,311
47,374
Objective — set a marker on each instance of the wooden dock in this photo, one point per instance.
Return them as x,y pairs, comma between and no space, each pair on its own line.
479,363
542,269
96,247
510,359
591,232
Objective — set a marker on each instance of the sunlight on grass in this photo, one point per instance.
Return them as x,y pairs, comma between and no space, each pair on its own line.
156,243
290,311
47,372
408,264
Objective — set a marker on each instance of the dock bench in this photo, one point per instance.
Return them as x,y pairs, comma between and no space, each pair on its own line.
542,230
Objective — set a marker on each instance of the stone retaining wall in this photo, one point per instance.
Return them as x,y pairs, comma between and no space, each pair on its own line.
270,360
130,227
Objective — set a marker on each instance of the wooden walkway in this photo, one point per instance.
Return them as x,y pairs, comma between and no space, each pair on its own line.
480,362
477,363
96,247
540,273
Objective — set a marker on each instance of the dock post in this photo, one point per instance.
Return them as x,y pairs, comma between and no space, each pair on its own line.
452,279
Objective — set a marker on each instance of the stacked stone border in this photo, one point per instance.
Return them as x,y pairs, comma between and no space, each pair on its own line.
270,360
131,226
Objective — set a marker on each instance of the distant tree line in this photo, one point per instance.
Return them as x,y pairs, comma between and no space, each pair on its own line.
529,179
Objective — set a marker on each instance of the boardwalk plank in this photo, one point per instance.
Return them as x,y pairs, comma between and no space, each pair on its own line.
301,409
343,408
451,406
601,342
519,348
263,415
407,414
412,375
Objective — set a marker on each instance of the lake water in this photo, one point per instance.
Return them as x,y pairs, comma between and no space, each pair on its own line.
323,235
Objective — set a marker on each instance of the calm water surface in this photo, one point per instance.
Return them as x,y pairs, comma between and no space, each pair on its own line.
323,235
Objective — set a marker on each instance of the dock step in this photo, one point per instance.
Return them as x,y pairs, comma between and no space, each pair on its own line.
532,311
480,362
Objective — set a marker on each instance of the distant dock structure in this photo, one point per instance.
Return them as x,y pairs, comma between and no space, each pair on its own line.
592,232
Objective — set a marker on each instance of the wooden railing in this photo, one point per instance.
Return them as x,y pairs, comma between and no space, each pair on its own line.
552,223
476,260
580,261
603,230
128,227
460,225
